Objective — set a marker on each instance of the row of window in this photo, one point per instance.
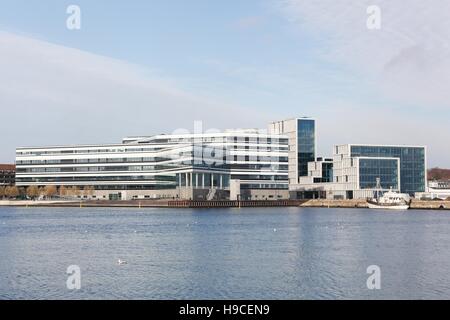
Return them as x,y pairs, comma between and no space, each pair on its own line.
97,169
170,142
190,160
97,179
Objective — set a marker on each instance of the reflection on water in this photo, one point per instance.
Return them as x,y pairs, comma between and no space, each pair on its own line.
251,253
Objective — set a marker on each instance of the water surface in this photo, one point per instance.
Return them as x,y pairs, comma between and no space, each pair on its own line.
248,253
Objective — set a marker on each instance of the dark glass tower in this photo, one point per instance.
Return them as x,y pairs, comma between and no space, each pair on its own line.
306,144
412,164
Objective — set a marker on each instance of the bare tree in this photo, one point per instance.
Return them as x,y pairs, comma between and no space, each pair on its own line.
69,191
12,192
33,192
88,191
2,192
22,192
63,191
75,191
91,191
6,194
85,191
50,191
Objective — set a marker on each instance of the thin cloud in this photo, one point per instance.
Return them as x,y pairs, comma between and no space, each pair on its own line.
51,94
409,57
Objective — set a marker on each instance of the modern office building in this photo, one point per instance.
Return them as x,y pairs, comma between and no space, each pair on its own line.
356,169
235,164
177,166
301,133
7,174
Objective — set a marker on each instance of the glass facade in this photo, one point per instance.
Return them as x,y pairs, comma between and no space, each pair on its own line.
327,172
306,144
168,162
371,169
412,163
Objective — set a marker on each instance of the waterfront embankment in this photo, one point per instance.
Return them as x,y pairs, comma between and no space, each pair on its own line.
154,203
415,204
317,203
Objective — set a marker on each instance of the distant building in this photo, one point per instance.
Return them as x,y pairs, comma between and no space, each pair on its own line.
355,169
7,174
436,190
235,164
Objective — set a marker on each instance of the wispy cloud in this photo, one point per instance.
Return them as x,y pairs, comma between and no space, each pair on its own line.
51,94
409,57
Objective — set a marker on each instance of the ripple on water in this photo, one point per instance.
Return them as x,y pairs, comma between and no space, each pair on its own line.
218,254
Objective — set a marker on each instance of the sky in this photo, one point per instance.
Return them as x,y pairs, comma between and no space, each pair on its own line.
150,67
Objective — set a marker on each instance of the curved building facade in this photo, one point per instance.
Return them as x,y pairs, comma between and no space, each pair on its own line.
184,166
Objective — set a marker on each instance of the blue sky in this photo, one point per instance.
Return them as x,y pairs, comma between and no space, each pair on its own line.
228,63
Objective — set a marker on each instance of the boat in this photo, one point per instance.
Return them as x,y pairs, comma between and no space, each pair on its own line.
390,200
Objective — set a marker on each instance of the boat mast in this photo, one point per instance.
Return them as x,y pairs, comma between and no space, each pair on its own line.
378,187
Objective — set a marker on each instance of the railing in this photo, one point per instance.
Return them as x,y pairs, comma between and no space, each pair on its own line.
233,203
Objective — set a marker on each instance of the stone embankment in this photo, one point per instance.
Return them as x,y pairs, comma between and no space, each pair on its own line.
317,203
323,203
415,204
156,203
430,204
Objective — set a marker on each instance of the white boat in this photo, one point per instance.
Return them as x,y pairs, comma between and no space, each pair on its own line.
390,200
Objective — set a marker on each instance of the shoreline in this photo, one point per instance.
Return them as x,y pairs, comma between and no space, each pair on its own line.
317,203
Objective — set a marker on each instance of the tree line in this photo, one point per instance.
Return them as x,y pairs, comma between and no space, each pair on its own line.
439,174
47,192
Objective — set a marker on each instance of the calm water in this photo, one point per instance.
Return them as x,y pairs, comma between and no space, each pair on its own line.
281,253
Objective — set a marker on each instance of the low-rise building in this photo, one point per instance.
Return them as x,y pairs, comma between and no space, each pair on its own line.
7,174
436,190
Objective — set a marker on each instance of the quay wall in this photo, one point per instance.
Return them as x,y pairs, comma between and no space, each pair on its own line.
317,203
324,203
415,204
430,204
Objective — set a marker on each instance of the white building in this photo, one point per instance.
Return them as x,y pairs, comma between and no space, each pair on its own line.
356,168
184,166
255,165
436,190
